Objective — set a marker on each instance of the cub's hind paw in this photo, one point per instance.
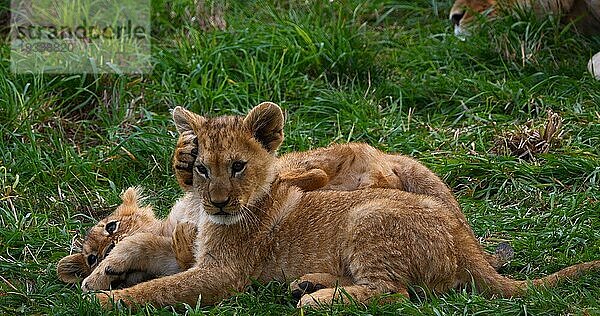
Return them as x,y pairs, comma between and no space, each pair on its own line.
182,244
112,300
298,288
306,180
319,298
313,282
103,298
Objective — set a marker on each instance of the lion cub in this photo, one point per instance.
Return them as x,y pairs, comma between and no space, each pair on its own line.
345,167
255,226
151,247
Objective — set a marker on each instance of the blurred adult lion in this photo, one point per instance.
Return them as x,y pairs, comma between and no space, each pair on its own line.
585,13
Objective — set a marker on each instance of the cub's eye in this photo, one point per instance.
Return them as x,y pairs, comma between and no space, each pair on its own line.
91,259
237,167
202,170
111,227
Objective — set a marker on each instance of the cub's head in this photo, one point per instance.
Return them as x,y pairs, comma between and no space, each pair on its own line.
463,12
235,162
128,218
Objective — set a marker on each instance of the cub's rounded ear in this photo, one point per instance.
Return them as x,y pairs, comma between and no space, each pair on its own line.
72,268
131,196
132,204
186,120
265,121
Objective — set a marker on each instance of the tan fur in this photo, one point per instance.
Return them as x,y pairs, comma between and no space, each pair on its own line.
586,13
383,240
153,247
356,166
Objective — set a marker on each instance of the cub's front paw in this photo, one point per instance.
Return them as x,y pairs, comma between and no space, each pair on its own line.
102,278
186,152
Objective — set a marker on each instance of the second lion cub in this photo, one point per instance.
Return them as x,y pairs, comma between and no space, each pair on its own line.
146,246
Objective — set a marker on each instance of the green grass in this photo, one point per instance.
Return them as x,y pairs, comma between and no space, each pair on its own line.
386,73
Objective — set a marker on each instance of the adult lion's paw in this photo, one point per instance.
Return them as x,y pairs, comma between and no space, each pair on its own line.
312,282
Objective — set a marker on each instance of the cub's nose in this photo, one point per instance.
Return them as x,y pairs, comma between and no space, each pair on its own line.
455,17
220,203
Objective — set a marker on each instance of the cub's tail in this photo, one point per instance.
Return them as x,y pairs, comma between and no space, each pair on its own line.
489,281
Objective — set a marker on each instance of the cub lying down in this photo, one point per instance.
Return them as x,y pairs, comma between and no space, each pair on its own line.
151,247
254,226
